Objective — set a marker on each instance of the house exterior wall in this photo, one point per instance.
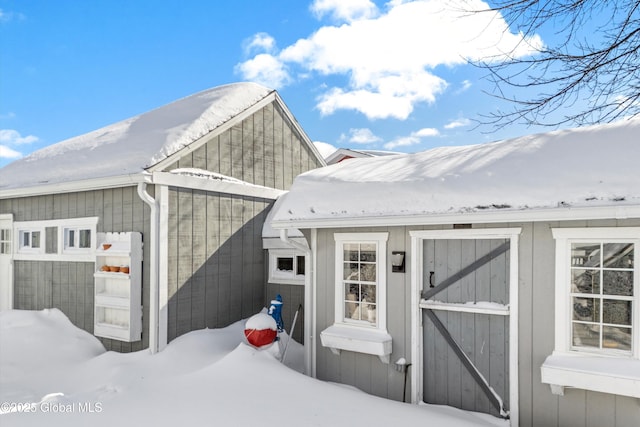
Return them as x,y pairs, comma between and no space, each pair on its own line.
537,405
216,269
263,149
69,286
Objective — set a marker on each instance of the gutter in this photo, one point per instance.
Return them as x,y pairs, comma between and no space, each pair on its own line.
154,300
308,299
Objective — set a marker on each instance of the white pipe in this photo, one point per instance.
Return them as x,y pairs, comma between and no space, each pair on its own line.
153,268
308,300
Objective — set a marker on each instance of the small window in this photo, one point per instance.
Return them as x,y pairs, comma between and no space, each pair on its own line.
29,240
5,241
360,280
286,266
77,239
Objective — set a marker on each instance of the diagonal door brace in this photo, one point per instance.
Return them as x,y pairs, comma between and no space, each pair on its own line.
465,271
477,375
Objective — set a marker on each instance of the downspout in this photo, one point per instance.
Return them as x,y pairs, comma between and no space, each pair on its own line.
153,268
308,299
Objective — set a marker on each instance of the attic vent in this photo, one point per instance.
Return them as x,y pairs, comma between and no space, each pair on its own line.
461,226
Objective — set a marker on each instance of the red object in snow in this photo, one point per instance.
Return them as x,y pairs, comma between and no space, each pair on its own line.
260,337
260,330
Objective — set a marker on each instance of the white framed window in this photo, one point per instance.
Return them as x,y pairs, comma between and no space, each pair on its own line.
71,239
31,240
597,310
78,238
5,241
360,295
286,266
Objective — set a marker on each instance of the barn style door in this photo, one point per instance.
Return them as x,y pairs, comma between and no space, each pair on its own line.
464,304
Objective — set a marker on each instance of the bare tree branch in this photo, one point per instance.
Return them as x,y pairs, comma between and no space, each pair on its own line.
587,76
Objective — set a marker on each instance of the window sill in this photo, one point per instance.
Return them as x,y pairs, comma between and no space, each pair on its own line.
341,337
613,375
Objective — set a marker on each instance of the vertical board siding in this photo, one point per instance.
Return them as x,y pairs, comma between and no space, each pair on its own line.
69,286
220,274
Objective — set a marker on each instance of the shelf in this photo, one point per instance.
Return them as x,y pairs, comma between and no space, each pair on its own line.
118,296
112,301
112,275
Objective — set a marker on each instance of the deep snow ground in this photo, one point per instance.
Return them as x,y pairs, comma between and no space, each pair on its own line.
54,374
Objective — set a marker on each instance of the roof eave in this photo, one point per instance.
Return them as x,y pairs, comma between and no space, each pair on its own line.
74,186
496,216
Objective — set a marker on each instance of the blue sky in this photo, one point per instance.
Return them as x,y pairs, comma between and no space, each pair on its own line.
355,73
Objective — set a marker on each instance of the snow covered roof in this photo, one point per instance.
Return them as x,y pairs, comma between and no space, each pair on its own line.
349,153
135,144
584,167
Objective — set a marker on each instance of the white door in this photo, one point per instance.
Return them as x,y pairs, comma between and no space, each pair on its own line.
6,262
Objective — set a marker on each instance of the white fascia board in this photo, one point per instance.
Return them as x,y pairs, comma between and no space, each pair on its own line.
213,133
74,186
525,215
216,186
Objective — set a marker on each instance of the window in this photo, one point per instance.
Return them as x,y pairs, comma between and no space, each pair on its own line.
359,283
30,241
286,266
5,241
602,296
597,322
71,239
77,238
360,295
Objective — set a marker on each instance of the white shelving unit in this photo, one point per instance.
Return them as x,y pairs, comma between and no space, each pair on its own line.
118,294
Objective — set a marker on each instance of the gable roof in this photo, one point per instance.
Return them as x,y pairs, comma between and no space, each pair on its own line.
590,167
136,144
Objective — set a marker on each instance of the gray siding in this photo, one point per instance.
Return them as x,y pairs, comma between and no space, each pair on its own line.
216,262
263,149
292,297
537,405
69,286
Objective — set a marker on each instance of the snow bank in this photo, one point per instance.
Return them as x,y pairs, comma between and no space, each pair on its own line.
591,166
130,146
205,377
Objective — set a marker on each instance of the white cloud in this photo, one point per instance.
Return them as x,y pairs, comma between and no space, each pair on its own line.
390,59
344,10
8,153
265,69
413,139
466,84
324,148
360,136
261,42
13,137
425,132
457,123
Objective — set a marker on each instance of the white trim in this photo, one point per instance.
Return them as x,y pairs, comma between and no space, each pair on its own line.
216,186
598,372
74,186
275,276
8,272
417,238
61,254
495,309
163,266
563,237
311,319
622,211
360,336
